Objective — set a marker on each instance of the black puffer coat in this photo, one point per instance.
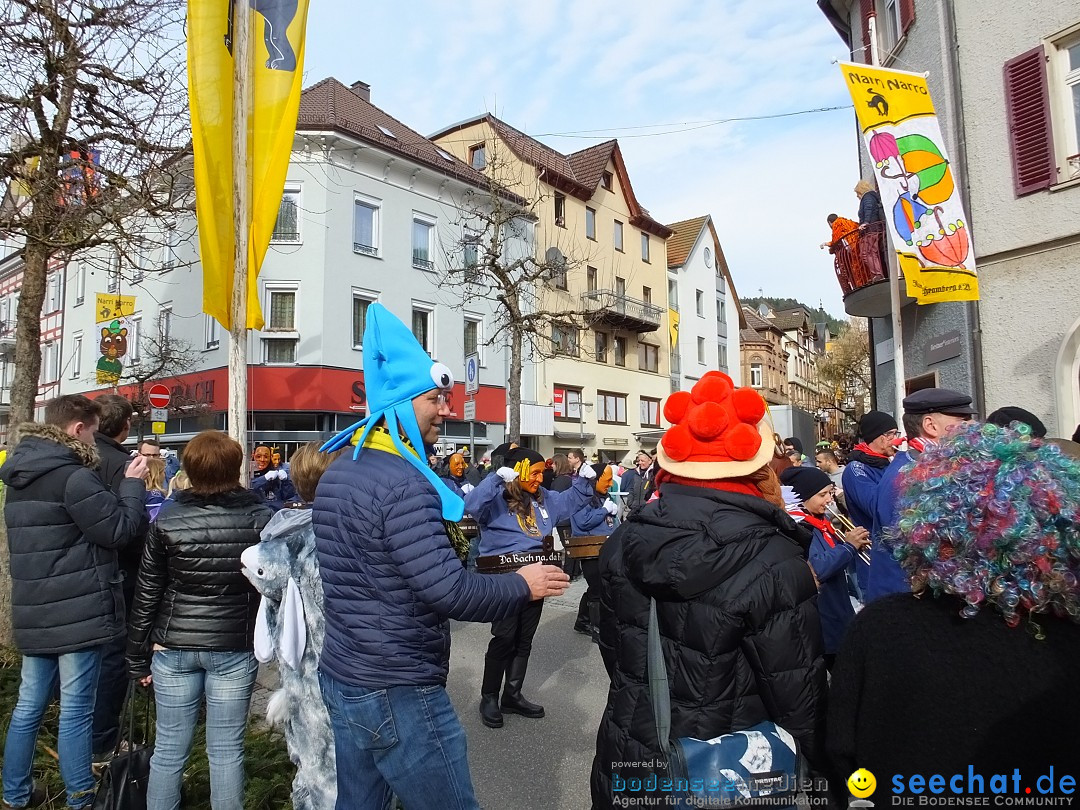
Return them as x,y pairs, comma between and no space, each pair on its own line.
114,462
191,594
63,529
738,623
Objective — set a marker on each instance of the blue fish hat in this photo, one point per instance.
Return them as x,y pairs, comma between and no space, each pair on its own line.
396,371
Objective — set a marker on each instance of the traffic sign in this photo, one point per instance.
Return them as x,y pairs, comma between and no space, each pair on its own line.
159,414
159,396
470,410
472,373
157,428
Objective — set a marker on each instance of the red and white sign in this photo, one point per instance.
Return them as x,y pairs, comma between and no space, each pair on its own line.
159,396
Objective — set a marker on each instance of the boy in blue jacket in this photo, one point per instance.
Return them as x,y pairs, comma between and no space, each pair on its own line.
834,558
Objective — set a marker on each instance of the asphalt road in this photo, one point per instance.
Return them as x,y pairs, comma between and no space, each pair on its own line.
534,764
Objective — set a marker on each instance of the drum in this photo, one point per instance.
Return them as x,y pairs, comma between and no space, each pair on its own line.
586,547
503,563
469,527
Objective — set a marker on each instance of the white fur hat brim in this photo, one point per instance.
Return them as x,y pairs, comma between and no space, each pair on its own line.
716,470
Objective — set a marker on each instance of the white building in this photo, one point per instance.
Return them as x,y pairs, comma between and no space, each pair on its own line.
703,296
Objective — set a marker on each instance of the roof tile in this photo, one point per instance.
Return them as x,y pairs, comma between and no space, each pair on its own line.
682,240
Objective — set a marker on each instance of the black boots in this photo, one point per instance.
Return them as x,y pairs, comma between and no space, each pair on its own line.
512,701
489,693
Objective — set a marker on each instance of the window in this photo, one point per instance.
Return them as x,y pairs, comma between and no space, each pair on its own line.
564,339
601,347
281,322
618,235
282,311
558,275
474,336
80,283
645,247
50,371
366,226
890,26
478,156
590,278
567,403
76,355
287,227
708,257
673,294
165,323
169,243
648,357
135,340
112,270
210,331
699,302
360,304
610,408
52,293
1066,101
421,327
280,351
590,223
605,180
560,210
620,287
755,375
423,247
650,412
721,350
701,350
721,310
646,295
620,350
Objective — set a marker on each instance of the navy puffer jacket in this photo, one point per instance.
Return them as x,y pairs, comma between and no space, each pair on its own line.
390,576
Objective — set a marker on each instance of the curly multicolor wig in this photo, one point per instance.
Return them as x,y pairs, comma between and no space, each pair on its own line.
992,515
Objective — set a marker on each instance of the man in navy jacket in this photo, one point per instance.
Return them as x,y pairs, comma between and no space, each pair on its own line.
392,581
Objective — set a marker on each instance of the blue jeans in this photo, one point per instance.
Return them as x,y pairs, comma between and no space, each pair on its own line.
78,676
402,740
181,678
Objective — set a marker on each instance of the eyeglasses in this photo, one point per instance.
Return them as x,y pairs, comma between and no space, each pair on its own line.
891,434
445,398
150,455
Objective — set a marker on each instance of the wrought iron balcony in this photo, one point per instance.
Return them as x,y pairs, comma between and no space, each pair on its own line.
621,311
861,269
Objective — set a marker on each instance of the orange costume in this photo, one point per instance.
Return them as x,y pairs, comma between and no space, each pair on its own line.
845,236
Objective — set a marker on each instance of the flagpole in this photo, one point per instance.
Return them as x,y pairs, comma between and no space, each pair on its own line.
238,343
899,377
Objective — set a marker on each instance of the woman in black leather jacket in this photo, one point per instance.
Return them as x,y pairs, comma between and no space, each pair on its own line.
192,623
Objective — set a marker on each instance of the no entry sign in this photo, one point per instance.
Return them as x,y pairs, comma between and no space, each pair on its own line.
159,396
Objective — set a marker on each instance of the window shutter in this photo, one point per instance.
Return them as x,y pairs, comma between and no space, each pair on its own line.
907,15
866,11
1027,108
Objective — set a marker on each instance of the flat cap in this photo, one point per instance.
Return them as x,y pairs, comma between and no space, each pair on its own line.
938,400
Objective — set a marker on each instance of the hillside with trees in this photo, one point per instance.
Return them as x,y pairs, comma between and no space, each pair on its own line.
817,314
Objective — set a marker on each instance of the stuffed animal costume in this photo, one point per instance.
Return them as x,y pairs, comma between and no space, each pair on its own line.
290,627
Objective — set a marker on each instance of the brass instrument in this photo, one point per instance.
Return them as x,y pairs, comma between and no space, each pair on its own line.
848,526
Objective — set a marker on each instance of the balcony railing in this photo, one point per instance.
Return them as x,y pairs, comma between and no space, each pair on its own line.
621,311
859,258
420,263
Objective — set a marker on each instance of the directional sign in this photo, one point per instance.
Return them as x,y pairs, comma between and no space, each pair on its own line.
159,414
159,396
157,428
470,410
472,373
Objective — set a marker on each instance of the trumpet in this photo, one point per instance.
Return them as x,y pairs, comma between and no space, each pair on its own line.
848,526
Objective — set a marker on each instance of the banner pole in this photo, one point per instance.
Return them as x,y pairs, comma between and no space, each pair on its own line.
238,331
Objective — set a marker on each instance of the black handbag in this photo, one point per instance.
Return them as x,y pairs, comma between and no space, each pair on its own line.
124,780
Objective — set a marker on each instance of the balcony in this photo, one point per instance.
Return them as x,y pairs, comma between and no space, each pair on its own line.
5,400
7,337
621,312
859,260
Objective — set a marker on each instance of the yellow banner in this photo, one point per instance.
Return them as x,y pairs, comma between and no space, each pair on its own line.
277,44
673,326
111,307
924,214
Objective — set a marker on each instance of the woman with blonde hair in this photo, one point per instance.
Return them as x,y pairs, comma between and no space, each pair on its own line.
155,487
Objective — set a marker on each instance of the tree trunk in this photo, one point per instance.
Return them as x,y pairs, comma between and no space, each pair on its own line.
513,385
24,385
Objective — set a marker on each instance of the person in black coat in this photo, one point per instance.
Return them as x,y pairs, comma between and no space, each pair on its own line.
734,595
193,621
67,602
976,668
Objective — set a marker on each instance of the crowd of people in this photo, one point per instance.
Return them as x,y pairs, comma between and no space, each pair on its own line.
905,603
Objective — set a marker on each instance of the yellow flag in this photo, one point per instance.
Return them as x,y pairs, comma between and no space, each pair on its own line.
110,306
277,46
673,327
924,213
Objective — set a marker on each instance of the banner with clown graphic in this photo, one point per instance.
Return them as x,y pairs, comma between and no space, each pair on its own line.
924,214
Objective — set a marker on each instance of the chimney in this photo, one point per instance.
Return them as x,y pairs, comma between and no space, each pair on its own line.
362,89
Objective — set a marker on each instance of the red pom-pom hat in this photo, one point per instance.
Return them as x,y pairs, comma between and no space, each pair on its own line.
717,431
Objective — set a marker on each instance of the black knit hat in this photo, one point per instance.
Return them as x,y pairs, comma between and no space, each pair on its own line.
1011,413
874,424
806,481
519,454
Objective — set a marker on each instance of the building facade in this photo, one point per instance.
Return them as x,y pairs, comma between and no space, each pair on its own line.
764,358
600,381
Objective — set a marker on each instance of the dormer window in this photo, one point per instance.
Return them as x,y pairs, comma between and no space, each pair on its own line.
606,180
478,156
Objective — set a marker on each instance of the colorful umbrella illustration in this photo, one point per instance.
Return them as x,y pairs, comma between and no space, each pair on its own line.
946,247
907,215
922,158
882,148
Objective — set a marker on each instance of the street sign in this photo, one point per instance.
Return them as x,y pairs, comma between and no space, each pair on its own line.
470,410
157,428
472,373
159,414
159,396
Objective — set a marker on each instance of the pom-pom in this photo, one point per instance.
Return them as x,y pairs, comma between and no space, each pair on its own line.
707,421
742,442
678,443
713,387
749,406
676,406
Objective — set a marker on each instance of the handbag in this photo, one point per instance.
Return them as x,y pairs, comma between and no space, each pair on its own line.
124,780
730,771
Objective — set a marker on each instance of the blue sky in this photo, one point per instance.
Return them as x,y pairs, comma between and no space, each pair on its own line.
554,66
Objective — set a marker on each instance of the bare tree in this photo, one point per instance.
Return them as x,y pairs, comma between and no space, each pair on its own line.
161,356
492,256
845,368
93,105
